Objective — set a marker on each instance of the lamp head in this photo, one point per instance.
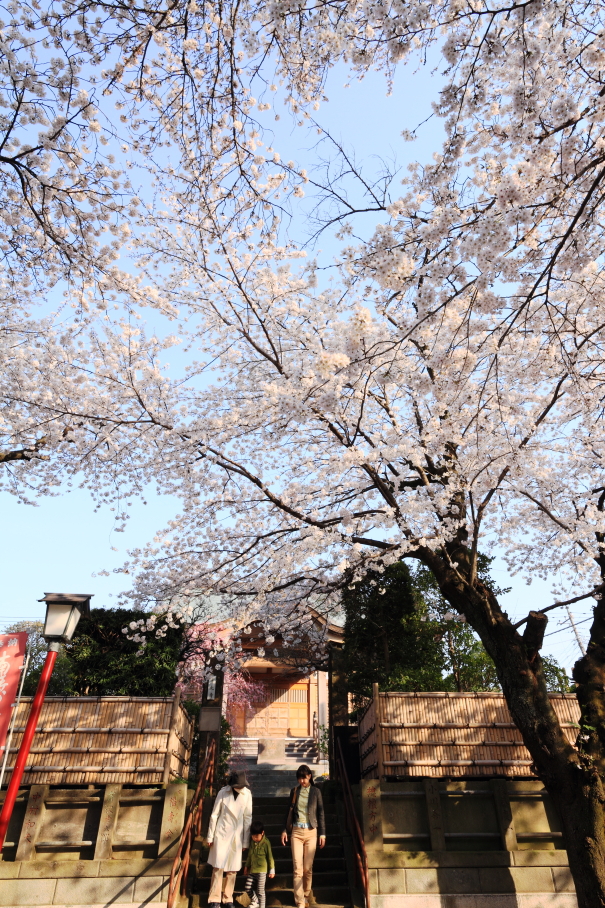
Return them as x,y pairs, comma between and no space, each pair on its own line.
63,611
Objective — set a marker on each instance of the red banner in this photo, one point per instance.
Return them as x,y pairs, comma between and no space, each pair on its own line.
12,654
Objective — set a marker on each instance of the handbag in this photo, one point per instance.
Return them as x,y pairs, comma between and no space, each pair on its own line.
290,819
244,900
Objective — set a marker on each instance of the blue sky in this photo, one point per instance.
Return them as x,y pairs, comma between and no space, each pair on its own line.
60,545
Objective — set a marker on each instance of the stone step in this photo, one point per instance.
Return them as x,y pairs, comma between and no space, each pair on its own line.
245,747
200,900
324,896
274,790
321,880
272,800
273,832
335,862
279,814
278,807
274,805
304,747
285,771
331,852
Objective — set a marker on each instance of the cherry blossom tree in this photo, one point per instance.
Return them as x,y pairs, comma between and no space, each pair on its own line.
444,391
75,404
64,214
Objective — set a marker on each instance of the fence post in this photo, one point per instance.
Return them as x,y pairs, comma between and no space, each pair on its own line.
171,743
108,821
505,816
378,720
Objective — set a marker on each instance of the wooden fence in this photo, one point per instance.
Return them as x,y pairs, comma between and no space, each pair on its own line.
449,734
85,740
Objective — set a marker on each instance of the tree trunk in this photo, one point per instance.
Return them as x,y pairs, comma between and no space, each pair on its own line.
573,777
582,812
385,653
453,657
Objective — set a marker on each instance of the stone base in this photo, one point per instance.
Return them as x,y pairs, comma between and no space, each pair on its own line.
519,900
99,905
134,892
271,750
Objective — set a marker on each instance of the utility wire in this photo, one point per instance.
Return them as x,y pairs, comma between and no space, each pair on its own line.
561,629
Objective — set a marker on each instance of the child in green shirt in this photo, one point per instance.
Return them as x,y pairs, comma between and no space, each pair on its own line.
258,864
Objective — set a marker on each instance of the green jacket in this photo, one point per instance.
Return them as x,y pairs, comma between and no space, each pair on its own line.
260,857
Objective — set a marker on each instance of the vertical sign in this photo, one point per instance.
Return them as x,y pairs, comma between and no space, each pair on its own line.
371,805
12,654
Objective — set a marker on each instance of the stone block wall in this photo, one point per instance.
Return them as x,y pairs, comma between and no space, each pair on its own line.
437,843
91,845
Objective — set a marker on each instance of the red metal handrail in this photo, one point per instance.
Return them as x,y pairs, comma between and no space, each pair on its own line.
191,830
353,826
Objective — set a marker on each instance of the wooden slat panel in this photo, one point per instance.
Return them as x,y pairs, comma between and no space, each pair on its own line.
102,740
448,734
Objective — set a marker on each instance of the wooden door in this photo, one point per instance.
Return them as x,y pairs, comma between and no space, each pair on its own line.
239,722
298,702
269,717
283,713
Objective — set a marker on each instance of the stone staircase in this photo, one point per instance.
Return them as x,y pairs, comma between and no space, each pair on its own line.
304,750
330,880
273,781
245,747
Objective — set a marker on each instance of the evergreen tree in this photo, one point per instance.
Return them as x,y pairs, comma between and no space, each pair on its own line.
402,633
387,636
105,662
61,682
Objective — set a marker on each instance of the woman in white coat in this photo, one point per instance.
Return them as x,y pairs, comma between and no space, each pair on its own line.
228,835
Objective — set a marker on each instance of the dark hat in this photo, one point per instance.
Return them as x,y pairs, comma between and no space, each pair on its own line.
238,780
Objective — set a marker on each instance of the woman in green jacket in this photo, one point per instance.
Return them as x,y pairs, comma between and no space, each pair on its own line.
259,863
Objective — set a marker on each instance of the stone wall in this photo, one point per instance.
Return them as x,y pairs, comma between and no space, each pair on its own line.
91,845
481,843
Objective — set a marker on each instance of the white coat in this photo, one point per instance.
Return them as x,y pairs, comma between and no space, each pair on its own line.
229,828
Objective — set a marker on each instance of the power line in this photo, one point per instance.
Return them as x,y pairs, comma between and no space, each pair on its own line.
20,620
561,629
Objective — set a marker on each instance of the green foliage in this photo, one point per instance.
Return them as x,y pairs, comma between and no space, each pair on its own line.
193,709
407,638
468,666
387,637
61,682
557,678
224,752
105,662
324,739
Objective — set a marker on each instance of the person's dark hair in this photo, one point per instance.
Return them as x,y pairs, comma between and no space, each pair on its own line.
256,827
304,771
238,780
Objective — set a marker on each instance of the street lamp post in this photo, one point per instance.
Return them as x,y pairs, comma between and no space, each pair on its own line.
62,615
